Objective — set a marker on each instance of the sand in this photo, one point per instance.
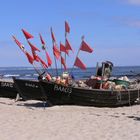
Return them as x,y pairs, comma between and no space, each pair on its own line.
31,121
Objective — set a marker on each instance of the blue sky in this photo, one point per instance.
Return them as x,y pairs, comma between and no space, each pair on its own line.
111,27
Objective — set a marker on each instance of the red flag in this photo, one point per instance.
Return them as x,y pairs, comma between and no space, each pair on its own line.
63,62
35,56
42,41
79,64
30,58
53,37
42,62
86,47
56,52
63,48
48,77
33,46
26,34
67,27
47,55
68,46
48,59
18,43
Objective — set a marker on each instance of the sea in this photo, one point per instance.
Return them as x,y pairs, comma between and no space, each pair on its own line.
30,72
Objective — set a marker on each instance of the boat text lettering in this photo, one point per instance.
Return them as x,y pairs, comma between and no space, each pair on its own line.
5,84
62,89
31,85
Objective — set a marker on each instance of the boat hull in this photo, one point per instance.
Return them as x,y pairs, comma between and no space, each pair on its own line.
59,94
7,89
29,89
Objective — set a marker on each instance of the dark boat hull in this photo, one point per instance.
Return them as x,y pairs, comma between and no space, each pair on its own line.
59,94
29,89
7,89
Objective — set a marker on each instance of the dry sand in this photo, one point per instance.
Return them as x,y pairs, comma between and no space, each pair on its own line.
30,121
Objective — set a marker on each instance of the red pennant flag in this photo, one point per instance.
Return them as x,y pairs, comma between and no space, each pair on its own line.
56,52
42,41
47,55
63,48
48,59
18,43
42,62
53,37
26,34
79,64
48,77
63,62
68,46
86,47
35,56
67,27
30,58
33,47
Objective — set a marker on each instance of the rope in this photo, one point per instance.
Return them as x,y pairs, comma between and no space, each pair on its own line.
129,98
138,94
119,97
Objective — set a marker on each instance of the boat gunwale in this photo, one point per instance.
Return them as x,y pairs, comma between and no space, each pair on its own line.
98,90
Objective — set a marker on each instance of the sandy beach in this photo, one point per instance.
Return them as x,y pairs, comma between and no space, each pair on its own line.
31,121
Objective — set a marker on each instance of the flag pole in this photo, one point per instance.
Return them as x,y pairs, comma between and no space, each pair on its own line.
40,73
54,43
37,70
46,53
28,43
24,51
39,61
60,60
44,48
43,68
67,30
56,66
77,53
65,43
48,65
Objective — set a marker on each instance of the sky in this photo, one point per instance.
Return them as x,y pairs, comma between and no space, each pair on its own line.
110,27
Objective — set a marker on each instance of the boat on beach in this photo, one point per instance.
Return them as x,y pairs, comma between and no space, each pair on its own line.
59,89
7,88
90,94
60,94
29,89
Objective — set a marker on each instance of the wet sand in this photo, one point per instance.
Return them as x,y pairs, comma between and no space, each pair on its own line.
31,121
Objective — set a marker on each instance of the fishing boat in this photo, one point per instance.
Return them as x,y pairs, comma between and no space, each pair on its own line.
7,88
63,93
29,89
60,94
